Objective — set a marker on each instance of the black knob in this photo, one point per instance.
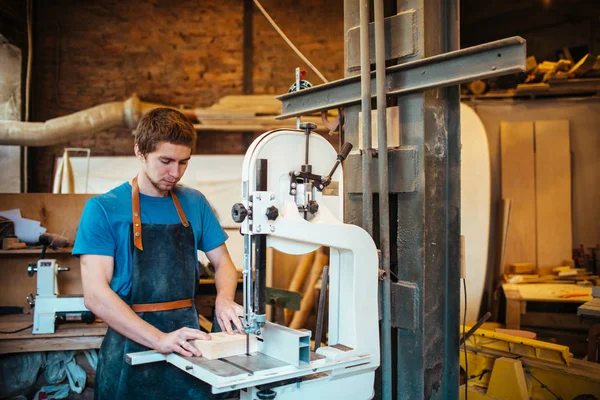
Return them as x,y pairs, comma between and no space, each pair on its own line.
308,126
239,212
313,206
272,213
266,394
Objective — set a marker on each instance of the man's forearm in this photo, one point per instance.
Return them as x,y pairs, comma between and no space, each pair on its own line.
226,278
107,305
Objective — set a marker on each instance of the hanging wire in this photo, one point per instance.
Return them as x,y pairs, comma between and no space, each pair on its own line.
289,42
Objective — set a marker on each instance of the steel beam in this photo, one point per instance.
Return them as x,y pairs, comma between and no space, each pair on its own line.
485,61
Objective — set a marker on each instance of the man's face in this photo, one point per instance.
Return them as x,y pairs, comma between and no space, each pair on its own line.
166,165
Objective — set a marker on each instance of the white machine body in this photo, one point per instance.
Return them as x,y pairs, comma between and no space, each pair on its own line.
346,367
48,300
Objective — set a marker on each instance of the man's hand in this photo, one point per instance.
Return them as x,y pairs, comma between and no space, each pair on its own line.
228,311
177,342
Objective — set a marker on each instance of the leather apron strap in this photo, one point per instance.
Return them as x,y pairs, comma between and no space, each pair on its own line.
137,214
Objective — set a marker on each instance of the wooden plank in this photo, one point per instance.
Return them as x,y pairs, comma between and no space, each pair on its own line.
58,213
50,344
76,336
553,192
18,321
515,332
36,250
223,344
518,180
554,320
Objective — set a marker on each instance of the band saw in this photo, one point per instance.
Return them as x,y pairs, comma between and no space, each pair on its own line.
292,201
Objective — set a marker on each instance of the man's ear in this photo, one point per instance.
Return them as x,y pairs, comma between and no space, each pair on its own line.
137,151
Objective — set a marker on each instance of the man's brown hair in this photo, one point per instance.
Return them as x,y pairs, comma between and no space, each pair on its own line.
164,125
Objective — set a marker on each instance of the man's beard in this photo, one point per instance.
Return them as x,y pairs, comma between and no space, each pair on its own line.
159,186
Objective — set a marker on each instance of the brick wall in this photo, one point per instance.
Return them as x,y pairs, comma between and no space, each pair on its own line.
178,53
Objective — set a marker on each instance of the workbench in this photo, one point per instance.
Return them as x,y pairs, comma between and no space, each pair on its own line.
72,336
518,296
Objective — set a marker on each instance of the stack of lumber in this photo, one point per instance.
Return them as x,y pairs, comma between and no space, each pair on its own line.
249,113
547,78
561,77
528,273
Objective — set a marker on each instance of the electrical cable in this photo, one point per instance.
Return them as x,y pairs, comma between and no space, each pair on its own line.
465,342
18,330
289,42
541,384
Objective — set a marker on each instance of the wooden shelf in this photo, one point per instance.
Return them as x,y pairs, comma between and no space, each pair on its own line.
66,250
72,336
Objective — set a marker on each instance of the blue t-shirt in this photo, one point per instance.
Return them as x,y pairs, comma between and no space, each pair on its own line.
105,226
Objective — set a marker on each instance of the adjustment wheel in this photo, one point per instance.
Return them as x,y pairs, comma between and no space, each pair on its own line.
239,212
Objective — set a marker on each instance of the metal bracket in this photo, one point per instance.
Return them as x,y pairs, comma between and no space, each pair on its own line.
404,305
399,39
485,61
261,201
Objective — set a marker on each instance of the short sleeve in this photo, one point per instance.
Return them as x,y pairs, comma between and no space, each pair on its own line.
94,234
212,235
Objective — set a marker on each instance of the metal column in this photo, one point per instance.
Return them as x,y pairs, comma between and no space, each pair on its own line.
424,177
427,239
429,219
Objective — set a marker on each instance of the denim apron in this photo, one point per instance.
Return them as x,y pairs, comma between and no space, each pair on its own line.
164,273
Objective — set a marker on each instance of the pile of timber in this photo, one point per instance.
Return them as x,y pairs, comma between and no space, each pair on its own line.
561,77
528,273
547,78
249,113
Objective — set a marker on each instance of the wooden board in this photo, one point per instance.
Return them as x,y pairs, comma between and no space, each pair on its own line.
58,213
517,297
518,185
76,336
550,292
222,344
475,207
553,192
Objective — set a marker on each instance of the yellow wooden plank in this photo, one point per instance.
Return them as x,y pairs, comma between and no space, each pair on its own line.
518,185
553,192
223,344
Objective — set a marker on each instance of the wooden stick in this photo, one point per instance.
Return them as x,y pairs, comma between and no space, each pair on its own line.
298,279
308,298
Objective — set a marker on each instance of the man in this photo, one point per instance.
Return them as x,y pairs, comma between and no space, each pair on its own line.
138,248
